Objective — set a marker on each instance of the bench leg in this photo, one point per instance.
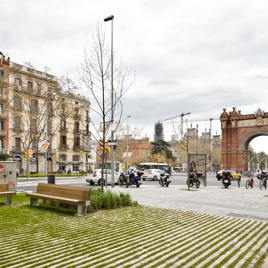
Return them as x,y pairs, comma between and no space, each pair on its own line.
34,202
8,199
81,210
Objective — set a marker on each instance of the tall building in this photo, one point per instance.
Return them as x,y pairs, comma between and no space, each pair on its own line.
158,131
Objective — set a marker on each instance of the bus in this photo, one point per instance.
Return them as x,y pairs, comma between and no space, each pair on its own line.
150,165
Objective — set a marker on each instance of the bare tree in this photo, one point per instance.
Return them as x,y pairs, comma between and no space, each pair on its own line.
95,77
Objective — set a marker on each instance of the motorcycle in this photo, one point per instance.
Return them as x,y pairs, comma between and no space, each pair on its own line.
134,180
194,178
164,179
226,178
123,180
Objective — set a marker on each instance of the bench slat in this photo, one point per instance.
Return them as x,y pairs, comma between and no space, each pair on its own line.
9,193
74,192
69,201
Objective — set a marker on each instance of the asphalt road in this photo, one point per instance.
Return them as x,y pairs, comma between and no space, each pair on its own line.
176,179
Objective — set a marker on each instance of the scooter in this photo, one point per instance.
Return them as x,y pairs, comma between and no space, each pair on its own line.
226,178
164,179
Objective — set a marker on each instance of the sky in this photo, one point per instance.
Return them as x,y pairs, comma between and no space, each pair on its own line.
189,56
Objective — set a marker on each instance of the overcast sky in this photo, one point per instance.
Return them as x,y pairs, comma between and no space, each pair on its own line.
189,56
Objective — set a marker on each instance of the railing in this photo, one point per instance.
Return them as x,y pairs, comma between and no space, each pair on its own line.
76,147
86,148
64,147
18,127
3,114
2,132
17,149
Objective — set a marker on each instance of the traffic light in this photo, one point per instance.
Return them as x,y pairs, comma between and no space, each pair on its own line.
158,160
25,154
101,144
107,149
30,153
88,156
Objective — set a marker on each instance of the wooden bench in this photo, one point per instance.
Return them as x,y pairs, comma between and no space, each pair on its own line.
4,191
72,195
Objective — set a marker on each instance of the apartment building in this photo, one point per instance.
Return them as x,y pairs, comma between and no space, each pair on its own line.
4,112
39,118
32,122
73,135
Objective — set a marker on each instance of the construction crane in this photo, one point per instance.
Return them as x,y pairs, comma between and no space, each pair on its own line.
181,116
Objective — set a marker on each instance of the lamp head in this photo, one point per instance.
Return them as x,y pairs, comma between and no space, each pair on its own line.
109,18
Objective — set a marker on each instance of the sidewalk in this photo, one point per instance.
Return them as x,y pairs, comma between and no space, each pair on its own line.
234,202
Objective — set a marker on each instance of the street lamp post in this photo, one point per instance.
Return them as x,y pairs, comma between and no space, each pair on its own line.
46,138
110,18
127,140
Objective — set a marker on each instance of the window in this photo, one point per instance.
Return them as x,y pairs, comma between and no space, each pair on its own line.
2,126
17,142
34,105
76,112
2,144
29,85
63,157
17,122
2,108
33,124
62,111
63,140
75,157
76,127
17,102
76,141
39,88
18,82
63,125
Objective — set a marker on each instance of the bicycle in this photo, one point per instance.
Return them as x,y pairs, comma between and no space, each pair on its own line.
263,182
249,183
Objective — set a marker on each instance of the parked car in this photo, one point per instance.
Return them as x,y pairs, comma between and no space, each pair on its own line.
95,176
151,174
235,175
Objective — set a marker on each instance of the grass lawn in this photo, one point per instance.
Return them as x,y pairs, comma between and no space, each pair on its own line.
133,236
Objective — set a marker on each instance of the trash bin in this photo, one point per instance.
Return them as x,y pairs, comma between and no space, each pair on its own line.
51,179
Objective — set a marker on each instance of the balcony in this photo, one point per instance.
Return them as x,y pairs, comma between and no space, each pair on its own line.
51,151
77,132
77,117
17,149
2,133
4,151
34,129
64,147
51,131
76,147
18,106
86,148
3,96
3,115
86,133
18,127
63,129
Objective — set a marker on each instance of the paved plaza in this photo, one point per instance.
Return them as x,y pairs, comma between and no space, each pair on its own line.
233,201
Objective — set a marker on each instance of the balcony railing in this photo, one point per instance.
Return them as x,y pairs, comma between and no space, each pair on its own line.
86,148
4,151
63,129
76,147
51,131
3,115
64,147
17,127
2,132
18,106
77,131
17,149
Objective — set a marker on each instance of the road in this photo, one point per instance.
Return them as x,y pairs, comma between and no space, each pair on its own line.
176,179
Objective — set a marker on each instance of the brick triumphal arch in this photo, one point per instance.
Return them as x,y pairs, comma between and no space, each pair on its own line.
237,132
